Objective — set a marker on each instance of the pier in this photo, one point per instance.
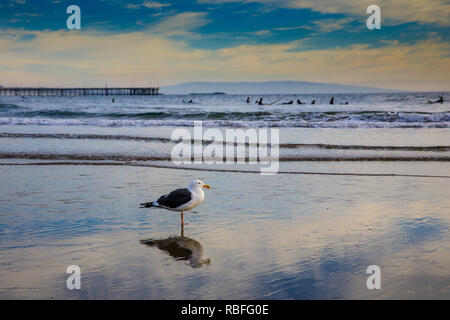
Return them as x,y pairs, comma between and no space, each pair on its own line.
60,92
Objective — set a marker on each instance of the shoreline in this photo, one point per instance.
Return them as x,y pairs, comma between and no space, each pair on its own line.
125,164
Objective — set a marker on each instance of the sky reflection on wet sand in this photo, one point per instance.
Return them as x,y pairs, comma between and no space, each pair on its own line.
272,237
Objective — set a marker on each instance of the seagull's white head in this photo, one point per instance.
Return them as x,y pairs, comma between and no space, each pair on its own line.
198,184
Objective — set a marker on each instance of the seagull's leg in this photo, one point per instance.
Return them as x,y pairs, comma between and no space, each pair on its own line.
182,225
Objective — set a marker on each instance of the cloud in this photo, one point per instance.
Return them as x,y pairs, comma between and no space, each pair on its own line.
93,58
147,4
399,11
330,25
154,4
393,12
28,15
323,25
180,24
261,33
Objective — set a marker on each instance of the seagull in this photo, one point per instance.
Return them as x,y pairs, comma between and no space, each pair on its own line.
181,199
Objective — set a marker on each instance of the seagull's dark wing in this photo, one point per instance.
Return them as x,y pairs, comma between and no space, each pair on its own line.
175,199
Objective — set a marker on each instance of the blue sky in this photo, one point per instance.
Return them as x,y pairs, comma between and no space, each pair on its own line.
226,40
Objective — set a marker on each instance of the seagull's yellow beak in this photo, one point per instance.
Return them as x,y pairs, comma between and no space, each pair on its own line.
206,186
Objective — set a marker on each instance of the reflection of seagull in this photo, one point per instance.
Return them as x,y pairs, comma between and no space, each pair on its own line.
181,248
181,199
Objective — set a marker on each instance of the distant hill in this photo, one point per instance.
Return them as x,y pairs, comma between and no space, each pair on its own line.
272,87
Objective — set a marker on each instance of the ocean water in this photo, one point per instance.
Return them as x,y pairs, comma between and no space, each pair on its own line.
389,110
359,184
371,127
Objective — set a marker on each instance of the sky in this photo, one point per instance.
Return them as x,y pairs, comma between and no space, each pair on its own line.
165,42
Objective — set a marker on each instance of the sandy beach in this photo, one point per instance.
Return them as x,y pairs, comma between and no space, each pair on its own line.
263,237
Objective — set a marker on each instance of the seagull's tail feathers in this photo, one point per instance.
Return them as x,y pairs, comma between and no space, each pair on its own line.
147,205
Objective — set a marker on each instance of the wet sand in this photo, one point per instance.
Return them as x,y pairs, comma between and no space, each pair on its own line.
255,237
